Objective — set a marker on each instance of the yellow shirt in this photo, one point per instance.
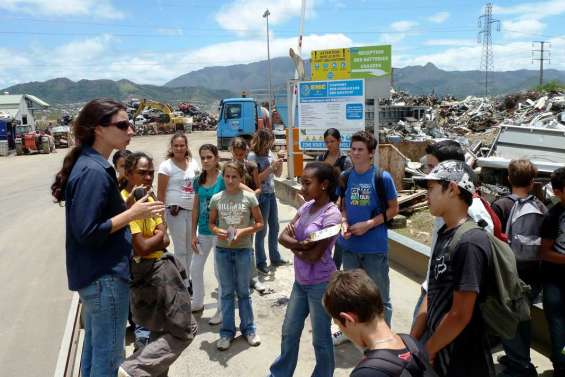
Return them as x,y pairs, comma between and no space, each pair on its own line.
145,227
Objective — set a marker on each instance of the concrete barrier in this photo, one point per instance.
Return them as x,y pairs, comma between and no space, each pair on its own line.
412,257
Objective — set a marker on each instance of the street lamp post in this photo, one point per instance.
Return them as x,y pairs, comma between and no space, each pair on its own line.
266,15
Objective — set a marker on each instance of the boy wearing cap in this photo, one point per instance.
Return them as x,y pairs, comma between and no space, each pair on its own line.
457,343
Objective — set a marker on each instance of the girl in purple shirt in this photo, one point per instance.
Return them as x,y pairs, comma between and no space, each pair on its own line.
313,267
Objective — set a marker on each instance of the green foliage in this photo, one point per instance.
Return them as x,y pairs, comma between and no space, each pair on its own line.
552,86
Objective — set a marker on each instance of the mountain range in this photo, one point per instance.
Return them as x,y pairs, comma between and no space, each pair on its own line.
210,84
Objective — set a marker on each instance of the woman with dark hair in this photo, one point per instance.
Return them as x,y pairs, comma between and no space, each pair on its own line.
174,188
208,183
98,241
333,155
313,268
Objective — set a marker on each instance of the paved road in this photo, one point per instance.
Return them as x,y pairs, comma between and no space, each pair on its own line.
34,300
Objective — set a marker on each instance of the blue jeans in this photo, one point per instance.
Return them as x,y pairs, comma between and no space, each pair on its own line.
304,300
554,310
234,269
105,309
338,256
270,212
518,348
376,266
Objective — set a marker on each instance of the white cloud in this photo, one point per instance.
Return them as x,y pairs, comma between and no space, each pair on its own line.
246,16
534,10
522,28
403,26
439,18
450,42
96,8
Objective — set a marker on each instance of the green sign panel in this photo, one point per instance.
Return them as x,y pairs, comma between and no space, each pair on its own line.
370,61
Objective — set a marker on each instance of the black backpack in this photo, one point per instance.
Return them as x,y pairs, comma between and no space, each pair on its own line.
379,187
387,362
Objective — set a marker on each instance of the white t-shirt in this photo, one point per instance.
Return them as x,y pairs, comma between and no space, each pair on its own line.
180,191
477,212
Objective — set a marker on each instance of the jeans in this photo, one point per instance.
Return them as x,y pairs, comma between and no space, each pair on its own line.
234,268
338,256
269,210
305,300
205,244
180,229
554,310
518,348
376,266
105,309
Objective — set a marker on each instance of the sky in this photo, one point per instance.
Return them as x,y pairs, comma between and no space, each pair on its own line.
152,42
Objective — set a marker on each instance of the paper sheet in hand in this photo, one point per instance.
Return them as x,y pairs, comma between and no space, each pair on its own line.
325,233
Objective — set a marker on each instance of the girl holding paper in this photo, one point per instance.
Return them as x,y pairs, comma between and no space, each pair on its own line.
313,267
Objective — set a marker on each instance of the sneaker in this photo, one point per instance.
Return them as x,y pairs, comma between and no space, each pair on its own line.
253,339
257,285
263,269
280,263
338,338
223,343
216,319
197,308
122,373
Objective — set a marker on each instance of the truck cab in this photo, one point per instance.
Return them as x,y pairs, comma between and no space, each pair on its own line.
238,117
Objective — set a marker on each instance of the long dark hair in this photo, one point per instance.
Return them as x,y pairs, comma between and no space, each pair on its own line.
212,148
324,172
178,134
131,162
98,112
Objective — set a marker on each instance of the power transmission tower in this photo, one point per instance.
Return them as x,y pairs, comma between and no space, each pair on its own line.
485,36
541,56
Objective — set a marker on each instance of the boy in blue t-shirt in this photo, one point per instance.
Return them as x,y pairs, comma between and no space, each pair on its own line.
364,234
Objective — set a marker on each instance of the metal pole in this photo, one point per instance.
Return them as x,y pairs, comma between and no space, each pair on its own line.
291,109
541,66
270,72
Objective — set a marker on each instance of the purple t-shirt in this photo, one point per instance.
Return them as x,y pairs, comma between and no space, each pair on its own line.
320,271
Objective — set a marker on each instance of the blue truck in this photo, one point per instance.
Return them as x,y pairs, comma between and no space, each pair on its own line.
238,117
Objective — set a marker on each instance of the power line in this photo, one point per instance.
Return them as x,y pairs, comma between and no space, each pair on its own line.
540,55
485,35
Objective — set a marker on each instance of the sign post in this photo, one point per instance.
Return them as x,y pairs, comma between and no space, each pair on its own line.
330,104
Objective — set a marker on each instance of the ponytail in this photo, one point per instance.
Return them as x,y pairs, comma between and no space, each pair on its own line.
58,187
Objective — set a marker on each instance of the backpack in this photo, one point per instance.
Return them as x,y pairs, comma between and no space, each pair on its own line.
378,186
390,364
523,227
496,223
506,301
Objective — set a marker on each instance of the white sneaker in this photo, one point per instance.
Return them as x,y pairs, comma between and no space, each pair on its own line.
223,343
253,339
122,372
216,319
339,338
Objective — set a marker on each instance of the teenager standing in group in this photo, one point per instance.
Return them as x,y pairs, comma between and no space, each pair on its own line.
98,240
159,301
208,183
335,157
313,268
269,167
234,217
174,188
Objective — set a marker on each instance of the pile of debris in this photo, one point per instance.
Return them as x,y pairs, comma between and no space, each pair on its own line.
203,121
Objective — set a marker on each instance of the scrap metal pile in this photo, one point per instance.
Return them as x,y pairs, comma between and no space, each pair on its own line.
202,120
452,118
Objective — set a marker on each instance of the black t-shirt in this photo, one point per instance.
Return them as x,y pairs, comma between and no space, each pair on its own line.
502,209
361,371
553,228
463,270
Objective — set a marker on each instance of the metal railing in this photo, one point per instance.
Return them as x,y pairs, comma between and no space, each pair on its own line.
68,361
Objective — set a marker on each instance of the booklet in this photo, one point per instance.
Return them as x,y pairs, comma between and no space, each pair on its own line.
325,233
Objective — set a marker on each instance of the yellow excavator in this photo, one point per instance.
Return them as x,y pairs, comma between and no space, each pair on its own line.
169,121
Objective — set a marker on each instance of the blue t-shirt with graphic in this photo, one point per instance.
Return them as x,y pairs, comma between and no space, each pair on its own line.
204,195
361,204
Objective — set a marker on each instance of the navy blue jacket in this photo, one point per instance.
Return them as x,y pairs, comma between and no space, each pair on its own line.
92,198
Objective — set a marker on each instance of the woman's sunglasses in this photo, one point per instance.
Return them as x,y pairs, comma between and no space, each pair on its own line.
122,125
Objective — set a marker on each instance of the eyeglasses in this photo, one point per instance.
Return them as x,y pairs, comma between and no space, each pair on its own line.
122,125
